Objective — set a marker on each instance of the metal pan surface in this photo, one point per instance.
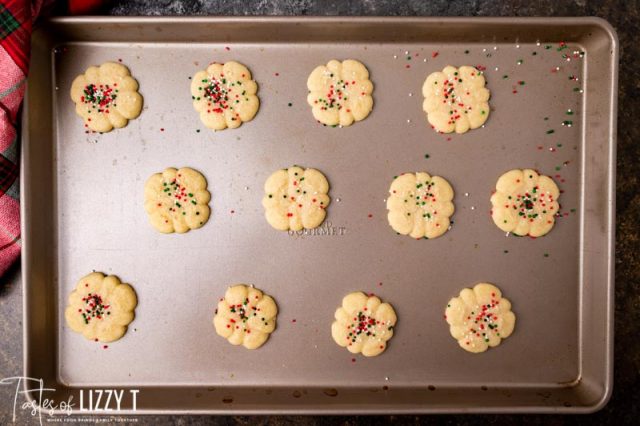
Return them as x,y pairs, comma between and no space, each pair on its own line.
553,85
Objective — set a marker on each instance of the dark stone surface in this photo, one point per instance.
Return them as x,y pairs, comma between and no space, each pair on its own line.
623,15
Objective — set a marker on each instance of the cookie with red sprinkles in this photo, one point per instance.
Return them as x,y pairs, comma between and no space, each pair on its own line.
455,99
245,316
340,92
106,97
525,203
363,324
296,198
177,200
480,318
100,308
225,95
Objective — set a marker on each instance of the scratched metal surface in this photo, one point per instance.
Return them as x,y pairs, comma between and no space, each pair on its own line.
100,223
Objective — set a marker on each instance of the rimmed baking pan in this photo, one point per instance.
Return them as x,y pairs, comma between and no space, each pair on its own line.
553,84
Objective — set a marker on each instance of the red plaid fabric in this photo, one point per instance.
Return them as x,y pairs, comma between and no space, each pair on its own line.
16,21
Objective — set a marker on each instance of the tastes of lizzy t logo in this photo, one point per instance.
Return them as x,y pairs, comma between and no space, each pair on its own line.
101,401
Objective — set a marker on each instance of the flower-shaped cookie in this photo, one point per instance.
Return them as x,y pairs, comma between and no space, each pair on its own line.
340,92
525,203
177,200
420,205
224,95
101,307
106,97
480,317
456,99
245,316
363,324
296,198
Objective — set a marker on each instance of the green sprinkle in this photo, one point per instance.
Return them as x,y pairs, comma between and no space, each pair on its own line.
546,255
550,131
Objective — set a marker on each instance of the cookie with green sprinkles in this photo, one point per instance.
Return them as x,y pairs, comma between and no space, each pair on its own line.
225,95
525,203
363,324
245,316
177,200
456,99
420,205
480,318
100,308
296,198
106,97
340,92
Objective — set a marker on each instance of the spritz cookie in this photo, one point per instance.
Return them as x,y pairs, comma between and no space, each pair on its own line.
456,99
480,318
525,203
224,95
340,92
177,200
245,316
101,308
420,205
106,97
363,324
296,198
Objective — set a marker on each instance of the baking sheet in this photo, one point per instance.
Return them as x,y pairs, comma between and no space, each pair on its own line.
559,284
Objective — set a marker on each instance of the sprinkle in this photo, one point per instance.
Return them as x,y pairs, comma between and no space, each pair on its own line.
426,156
550,131
434,54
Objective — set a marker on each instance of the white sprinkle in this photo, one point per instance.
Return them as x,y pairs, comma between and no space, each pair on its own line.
406,52
557,68
581,90
473,208
537,43
517,46
410,94
482,126
338,200
495,47
507,234
384,201
246,188
568,59
497,68
484,50
395,56
466,194
408,121
57,87
424,60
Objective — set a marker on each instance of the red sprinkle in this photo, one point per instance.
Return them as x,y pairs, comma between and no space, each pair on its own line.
434,54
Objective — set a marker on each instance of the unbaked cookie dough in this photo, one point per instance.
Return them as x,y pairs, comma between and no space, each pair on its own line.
101,308
420,205
363,324
177,200
296,198
525,203
245,316
340,92
456,99
106,97
224,95
480,317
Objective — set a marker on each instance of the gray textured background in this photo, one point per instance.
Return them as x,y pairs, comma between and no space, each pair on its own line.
623,15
